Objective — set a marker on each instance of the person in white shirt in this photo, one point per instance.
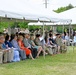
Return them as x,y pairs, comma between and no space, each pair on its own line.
74,40
67,39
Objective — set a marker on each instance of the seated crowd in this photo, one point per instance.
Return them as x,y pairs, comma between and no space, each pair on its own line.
23,46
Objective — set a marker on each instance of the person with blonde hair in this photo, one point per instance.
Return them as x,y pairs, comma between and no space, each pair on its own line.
39,48
14,43
22,47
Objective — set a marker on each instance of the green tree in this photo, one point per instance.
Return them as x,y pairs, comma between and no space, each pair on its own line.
61,9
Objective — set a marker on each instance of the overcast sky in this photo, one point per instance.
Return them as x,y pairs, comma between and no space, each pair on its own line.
19,5
52,4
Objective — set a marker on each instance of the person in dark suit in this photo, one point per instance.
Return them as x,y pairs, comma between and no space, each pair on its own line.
27,44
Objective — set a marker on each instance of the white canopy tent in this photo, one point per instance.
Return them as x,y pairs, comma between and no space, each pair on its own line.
69,14
19,9
10,15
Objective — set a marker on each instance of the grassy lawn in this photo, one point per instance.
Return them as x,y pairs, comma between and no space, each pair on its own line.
61,64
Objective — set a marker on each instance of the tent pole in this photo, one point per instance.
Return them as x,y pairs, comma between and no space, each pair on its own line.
53,27
72,35
69,35
43,28
28,27
63,28
43,37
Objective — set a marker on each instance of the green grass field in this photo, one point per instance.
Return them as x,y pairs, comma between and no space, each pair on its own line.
61,64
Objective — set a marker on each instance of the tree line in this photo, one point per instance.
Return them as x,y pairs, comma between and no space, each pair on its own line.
62,9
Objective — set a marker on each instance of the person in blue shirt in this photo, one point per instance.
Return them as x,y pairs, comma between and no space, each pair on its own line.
9,45
15,45
7,52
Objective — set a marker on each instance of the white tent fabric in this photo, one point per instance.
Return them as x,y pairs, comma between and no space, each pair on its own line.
48,24
35,23
10,15
20,9
69,14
